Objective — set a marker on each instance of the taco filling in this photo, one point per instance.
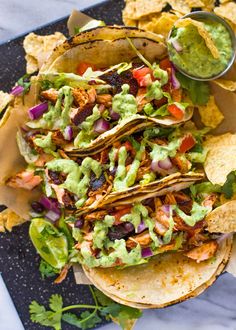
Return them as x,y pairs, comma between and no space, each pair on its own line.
129,235
131,162
79,108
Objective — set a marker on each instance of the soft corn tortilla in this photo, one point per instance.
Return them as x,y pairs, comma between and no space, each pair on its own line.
166,279
173,182
101,33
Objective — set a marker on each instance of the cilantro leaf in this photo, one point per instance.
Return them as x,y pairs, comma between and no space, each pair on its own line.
87,320
229,187
38,314
55,302
199,91
102,298
47,270
25,82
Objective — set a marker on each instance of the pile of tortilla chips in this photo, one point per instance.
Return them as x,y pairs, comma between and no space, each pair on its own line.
152,15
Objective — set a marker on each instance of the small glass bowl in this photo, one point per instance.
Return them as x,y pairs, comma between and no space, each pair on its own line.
201,15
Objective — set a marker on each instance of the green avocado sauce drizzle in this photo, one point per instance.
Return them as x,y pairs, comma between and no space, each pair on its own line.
78,177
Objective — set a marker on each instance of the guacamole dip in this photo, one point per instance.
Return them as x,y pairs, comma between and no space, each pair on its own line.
189,52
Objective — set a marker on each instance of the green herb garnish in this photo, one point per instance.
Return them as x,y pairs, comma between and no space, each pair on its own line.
103,307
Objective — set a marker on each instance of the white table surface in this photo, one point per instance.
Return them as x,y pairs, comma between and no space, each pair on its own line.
213,310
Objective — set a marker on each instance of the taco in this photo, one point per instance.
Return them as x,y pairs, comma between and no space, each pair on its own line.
90,100
142,163
165,280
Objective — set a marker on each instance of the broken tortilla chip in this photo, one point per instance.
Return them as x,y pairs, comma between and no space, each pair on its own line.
203,33
180,5
135,10
195,3
222,219
5,99
210,114
38,49
220,159
229,85
161,24
227,10
9,219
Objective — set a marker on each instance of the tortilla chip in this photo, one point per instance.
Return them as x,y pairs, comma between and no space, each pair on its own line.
127,324
208,5
135,10
203,33
229,85
222,219
180,5
220,160
195,3
161,24
228,11
39,48
210,114
5,99
130,22
9,219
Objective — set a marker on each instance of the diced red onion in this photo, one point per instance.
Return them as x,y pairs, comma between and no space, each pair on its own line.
114,115
53,216
17,90
176,45
166,209
174,81
68,133
50,204
38,110
165,164
101,126
141,227
146,252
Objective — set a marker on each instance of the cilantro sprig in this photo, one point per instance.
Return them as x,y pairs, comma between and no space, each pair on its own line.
103,307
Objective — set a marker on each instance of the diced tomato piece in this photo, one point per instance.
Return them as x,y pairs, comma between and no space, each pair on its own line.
175,111
187,143
83,66
143,76
165,64
118,214
128,146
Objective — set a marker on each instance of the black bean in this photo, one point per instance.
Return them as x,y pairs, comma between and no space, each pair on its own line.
56,177
79,223
120,231
37,207
95,183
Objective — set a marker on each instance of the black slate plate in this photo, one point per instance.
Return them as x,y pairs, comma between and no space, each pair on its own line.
18,259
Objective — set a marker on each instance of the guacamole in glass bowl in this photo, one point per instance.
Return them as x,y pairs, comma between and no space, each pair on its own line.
203,51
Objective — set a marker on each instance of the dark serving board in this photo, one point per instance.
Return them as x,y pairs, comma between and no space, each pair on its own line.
18,259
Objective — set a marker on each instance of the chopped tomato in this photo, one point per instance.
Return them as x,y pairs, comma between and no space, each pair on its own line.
118,214
165,64
128,146
187,143
143,76
175,111
83,66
